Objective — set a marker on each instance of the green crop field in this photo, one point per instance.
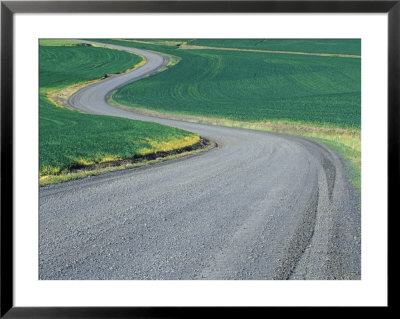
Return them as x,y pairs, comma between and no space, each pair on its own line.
63,63
333,46
69,138
325,46
252,86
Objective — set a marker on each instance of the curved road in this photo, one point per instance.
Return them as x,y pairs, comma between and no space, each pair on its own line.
260,206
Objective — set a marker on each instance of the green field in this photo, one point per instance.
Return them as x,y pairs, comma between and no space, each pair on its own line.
252,86
307,95
333,46
62,63
324,46
69,138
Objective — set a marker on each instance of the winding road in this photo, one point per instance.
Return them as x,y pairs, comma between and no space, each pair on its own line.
259,206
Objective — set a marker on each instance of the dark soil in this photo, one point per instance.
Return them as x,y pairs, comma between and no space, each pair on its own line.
203,143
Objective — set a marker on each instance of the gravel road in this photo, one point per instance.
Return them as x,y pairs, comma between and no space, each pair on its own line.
259,206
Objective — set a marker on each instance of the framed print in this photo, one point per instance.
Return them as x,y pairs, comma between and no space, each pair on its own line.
158,156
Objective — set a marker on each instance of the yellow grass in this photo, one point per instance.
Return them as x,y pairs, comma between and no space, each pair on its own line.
104,159
174,144
198,47
59,97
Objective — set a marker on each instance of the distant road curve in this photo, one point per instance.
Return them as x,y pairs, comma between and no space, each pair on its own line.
260,206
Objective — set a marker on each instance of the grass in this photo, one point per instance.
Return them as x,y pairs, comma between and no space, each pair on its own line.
68,138
313,96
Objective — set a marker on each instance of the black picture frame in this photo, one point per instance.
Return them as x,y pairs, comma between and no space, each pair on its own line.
9,8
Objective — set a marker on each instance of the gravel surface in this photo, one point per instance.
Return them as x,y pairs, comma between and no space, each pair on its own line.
259,206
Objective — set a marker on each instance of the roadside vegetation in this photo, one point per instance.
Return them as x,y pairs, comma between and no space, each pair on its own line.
324,46
331,46
307,95
69,139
